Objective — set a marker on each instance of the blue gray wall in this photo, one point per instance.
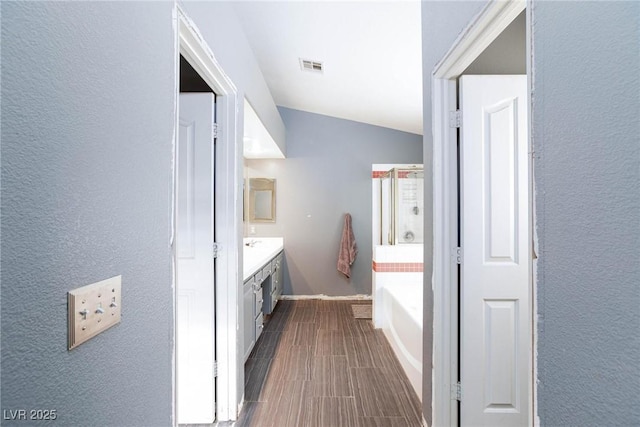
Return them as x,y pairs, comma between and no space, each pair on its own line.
326,174
88,114
586,137
87,127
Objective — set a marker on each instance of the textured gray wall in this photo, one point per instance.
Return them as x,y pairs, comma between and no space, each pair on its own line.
586,124
326,174
87,128
442,22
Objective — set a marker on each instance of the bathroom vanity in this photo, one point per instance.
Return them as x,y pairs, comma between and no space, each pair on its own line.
262,273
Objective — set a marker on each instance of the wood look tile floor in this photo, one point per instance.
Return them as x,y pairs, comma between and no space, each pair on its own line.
315,365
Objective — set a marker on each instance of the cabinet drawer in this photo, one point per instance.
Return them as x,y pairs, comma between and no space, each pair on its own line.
258,277
259,325
259,300
266,271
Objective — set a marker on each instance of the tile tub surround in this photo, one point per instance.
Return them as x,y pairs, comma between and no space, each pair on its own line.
401,174
315,365
397,267
254,257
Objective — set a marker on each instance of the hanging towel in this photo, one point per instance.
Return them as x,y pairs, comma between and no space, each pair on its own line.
348,248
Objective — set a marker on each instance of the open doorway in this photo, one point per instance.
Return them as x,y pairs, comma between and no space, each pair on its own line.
483,258
195,237
206,187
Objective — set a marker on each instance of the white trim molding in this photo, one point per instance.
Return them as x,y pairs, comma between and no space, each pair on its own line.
445,268
481,31
479,34
228,226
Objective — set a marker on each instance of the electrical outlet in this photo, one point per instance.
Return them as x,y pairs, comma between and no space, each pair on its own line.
93,309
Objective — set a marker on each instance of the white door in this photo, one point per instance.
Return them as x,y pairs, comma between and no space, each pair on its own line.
495,315
195,315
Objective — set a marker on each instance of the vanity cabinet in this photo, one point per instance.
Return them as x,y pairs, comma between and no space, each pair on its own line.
252,301
249,302
273,294
260,292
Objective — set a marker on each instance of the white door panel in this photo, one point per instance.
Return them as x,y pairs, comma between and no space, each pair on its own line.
195,312
495,326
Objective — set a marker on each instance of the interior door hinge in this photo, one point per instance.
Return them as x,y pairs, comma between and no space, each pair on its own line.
456,391
216,131
458,255
455,119
215,369
217,248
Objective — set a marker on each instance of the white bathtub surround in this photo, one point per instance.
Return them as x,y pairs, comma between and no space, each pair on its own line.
257,251
394,265
397,304
402,308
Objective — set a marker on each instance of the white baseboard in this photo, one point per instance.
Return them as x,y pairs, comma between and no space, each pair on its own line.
327,297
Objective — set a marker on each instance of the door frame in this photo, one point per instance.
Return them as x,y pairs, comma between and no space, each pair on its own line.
228,229
478,35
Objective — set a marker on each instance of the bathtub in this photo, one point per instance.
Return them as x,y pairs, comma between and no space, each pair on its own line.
402,325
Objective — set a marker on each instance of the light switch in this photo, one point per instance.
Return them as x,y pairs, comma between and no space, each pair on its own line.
93,309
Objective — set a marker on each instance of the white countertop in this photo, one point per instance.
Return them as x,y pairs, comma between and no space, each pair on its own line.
263,250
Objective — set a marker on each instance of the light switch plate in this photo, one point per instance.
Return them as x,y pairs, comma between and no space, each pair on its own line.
93,309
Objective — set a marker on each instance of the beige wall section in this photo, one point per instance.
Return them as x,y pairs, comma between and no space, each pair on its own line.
506,55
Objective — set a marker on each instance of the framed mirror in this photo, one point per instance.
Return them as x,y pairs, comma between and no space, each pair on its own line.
262,200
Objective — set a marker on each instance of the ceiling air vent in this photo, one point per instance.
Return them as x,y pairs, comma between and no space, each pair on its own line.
309,65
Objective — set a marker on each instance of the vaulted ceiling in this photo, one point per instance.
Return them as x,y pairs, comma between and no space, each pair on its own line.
370,52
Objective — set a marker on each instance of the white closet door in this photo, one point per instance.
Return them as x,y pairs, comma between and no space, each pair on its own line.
195,315
495,311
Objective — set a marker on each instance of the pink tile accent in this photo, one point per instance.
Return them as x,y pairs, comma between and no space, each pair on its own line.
379,174
398,267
